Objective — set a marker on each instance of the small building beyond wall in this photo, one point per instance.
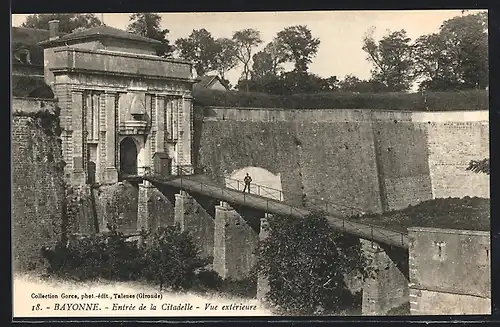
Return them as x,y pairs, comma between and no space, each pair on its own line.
449,271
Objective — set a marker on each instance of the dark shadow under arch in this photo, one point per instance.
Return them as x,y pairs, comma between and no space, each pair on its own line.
91,171
128,157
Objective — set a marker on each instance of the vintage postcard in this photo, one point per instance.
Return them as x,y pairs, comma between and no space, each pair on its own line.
327,163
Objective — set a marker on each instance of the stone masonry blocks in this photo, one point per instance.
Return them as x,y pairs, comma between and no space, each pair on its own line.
111,172
155,208
145,192
38,191
262,281
450,271
195,217
387,285
235,243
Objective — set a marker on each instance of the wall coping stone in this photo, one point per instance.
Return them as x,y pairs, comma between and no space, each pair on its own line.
124,54
407,112
343,115
448,231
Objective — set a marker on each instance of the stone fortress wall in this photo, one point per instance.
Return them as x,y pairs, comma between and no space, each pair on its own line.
37,179
294,155
370,159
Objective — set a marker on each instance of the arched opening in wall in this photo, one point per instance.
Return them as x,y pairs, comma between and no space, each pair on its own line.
263,182
128,157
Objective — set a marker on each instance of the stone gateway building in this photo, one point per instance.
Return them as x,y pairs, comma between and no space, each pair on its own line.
121,105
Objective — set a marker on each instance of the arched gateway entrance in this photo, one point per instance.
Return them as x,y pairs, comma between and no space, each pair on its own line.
128,157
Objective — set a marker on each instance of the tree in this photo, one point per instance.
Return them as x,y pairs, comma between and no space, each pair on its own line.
200,48
262,65
172,258
298,45
263,84
302,82
433,63
392,60
245,40
288,83
225,57
149,25
305,262
333,83
456,57
351,83
268,61
467,38
68,23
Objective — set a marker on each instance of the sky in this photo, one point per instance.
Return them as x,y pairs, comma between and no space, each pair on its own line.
340,32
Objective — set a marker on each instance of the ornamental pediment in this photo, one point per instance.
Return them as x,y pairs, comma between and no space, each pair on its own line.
133,103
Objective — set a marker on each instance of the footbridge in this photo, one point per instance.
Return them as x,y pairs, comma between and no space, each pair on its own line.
230,231
198,185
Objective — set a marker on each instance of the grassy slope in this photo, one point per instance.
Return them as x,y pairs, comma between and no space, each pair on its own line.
456,100
450,213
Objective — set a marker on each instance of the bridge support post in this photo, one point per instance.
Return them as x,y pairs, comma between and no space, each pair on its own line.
236,240
196,215
387,285
262,281
145,192
155,208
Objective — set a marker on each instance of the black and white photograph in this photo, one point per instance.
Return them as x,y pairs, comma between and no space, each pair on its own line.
250,164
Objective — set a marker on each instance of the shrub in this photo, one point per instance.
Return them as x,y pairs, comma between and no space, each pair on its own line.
172,259
211,281
30,87
168,257
480,166
402,310
244,288
126,260
97,256
305,261
207,280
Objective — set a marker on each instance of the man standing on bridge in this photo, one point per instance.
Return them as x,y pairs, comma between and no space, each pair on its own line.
247,181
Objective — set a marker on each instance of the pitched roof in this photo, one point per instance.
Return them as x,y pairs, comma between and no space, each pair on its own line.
207,80
102,30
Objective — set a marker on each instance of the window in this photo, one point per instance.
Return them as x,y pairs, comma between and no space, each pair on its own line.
440,254
173,106
92,111
96,107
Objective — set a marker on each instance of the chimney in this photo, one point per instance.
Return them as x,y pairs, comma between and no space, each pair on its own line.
54,29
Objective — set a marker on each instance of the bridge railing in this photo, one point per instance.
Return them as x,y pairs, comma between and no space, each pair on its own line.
307,202
367,231
273,193
183,170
